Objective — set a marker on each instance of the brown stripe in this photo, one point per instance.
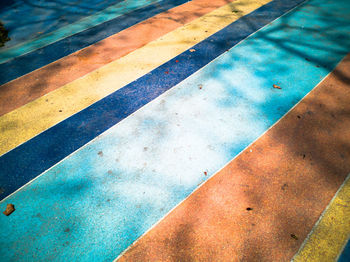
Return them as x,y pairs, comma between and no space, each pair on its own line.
287,178
46,79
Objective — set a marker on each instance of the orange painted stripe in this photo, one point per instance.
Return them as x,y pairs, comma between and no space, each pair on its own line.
262,205
46,79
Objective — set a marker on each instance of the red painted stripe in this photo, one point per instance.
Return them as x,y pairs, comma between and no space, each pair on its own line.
46,79
262,205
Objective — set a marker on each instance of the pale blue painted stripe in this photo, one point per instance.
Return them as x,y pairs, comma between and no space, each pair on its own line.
95,203
79,26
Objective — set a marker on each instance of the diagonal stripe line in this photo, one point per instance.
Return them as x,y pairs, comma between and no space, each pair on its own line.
38,154
37,116
331,232
29,62
63,71
85,23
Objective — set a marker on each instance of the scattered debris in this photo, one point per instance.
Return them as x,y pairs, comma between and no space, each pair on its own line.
192,50
200,86
100,153
294,236
10,208
67,230
276,86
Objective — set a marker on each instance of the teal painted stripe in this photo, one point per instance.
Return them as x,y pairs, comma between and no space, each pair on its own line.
95,203
81,25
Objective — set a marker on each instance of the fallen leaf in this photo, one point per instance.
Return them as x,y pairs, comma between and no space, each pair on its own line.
276,86
10,208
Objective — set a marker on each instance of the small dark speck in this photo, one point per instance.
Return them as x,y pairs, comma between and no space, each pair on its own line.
284,186
299,117
47,100
294,236
253,224
304,156
2,190
249,208
108,200
100,153
110,172
67,229
145,148
342,156
59,110
317,66
307,59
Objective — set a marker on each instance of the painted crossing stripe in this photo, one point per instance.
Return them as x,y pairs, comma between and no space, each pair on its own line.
65,70
29,62
71,29
41,17
287,178
331,232
30,120
345,255
27,161
112,190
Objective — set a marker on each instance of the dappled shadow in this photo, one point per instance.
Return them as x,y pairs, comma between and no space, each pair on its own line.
248,234
300,164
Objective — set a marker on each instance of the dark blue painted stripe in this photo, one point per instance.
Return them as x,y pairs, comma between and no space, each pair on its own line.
345,256
27,161
27,63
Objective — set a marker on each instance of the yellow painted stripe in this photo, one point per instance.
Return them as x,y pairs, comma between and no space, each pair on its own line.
35,117
329,235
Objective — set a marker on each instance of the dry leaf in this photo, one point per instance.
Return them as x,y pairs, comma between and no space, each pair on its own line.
10,208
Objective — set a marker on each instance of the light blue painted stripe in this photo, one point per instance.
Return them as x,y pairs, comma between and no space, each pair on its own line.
95,203
81,25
